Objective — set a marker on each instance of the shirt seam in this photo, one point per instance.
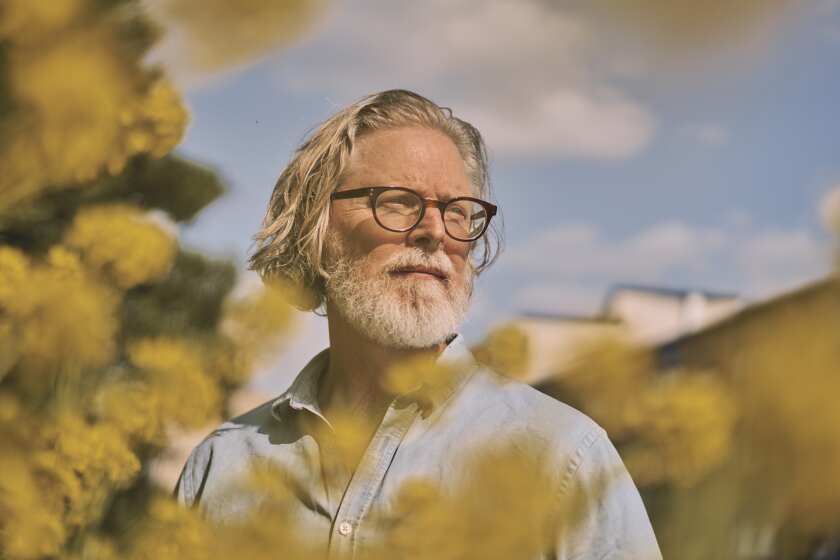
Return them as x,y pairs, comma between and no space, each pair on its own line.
577,458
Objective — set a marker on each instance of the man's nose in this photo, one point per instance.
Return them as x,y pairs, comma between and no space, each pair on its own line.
429,233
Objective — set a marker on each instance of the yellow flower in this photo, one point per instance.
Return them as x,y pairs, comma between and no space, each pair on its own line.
66,262
23,22
14,268
69,127
505,349
605,381
496,508
252,327
96,547
28,529
124,245
172,532
787,382
134,409
81,464
685,427
103,111
44,307
157,121
176,374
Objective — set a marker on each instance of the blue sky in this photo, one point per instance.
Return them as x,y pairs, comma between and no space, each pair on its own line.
611,161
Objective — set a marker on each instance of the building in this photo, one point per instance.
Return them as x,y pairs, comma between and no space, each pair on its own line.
646,315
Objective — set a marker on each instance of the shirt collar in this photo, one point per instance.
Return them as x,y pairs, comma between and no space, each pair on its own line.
302,394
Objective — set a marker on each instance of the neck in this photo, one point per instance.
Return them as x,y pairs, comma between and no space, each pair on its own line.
357,365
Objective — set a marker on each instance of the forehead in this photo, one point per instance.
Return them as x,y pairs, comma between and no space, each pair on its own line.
418,157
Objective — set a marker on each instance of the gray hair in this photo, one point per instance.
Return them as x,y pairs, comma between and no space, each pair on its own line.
289,247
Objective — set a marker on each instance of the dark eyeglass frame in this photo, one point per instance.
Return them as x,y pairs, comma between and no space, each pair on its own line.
373,193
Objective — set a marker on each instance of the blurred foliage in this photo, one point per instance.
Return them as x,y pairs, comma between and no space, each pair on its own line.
250,28
742,440
501,512
504,349
680,27
111,335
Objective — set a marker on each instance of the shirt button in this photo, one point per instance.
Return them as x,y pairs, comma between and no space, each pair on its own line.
345,528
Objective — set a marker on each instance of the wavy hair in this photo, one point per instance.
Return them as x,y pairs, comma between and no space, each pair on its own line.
289,246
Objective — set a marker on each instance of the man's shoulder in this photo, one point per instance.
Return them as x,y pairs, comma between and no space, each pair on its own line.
227,450
257,423
490,395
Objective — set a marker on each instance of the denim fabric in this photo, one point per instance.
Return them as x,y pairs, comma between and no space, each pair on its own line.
429,438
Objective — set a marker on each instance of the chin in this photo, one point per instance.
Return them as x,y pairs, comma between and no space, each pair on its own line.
400,313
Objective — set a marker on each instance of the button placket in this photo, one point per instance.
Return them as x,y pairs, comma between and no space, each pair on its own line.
368,477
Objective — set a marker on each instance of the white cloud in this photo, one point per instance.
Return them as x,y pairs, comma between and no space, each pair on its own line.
569,268
778,260
582,251
559,297
708,134
533,77
568,122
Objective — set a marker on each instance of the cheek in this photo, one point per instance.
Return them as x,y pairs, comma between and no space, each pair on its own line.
459,253
365,237
461,264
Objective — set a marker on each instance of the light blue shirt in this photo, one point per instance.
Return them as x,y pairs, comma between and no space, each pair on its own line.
342,513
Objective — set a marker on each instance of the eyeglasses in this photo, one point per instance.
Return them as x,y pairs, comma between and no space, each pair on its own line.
400,209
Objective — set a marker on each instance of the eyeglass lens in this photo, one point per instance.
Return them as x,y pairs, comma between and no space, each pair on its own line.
400,210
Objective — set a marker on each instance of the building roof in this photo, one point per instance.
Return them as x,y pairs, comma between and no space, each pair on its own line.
571,317
676,293
666,291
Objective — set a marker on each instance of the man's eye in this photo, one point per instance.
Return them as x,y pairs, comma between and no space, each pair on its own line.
398,202
457,212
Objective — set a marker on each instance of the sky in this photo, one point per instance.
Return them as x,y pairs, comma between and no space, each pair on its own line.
614,158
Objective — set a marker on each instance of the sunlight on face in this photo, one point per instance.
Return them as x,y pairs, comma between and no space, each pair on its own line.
410,289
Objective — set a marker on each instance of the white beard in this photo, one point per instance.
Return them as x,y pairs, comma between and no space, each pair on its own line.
398,312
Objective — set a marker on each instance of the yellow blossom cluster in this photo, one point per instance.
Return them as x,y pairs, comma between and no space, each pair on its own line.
187,393
64,460
505,350
25,22
84,105
134,408
252,326
122,244
678,425
421,372
42,306
688,27
606,377
29,529
59,471
787,380
169,531
683,426
86,395
499,510
82,463
251,28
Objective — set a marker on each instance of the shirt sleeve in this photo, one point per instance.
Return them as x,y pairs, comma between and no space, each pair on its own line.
602,516
190,483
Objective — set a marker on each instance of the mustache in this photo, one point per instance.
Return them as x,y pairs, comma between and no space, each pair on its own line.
416,258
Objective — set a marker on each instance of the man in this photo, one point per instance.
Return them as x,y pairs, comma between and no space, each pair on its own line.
381,220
